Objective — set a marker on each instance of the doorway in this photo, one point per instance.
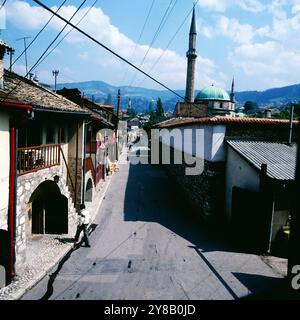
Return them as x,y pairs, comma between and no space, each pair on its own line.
49,210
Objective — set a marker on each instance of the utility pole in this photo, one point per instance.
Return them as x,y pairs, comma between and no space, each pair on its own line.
291,123
25,51
117,124
55,74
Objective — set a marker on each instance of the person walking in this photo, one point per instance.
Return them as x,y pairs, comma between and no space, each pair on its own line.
84,220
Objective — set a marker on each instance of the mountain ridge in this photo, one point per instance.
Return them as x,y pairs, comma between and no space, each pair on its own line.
142,97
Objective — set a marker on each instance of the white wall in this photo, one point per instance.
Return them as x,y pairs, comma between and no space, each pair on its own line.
217,145
238,174
4,168
214,149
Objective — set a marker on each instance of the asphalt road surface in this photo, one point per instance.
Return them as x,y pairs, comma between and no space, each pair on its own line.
146,244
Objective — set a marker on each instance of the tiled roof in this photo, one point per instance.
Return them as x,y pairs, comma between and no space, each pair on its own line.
96,116
30,92
280,158
9,98
178,122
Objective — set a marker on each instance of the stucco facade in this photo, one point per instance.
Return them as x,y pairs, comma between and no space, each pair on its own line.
4,168
238,174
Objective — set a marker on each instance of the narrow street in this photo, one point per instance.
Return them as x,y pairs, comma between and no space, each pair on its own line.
146,245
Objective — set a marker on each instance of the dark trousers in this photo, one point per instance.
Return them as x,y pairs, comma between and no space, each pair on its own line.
83,228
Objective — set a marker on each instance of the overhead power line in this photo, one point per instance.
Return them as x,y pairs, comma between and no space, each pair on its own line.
60,41
36,36
106,48
160,27
49,46
140,36
3,4
169,43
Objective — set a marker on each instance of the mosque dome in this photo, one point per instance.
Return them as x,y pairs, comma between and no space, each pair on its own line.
212,93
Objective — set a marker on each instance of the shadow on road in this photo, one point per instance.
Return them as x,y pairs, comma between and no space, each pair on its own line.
152,197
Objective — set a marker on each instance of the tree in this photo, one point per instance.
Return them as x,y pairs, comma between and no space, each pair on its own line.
285,113
150,107
159,108
250,106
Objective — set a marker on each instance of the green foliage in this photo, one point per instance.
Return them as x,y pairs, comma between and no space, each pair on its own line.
131,111
148,126
150,108
159,108
285,114
250,106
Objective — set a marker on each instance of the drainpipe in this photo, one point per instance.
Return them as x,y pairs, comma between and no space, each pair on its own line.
12,198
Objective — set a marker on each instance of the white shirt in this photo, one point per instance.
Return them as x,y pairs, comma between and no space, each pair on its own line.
85,217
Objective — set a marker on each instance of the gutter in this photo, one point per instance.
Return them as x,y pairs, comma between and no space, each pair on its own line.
75,113
16,105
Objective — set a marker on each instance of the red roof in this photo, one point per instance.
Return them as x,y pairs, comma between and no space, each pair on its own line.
178,122
7,100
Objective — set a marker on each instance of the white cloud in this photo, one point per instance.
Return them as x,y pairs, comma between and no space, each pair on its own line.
171,68
231,28
240,33
269,62
223,5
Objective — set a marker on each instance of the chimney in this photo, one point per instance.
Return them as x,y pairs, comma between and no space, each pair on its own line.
3,49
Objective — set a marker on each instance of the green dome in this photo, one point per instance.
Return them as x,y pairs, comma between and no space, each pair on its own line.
212,93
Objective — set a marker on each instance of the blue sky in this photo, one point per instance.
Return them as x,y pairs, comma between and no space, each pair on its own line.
255,41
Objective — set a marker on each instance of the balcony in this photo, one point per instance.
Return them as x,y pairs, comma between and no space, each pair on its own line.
31,159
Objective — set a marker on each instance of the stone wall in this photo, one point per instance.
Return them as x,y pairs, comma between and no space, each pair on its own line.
26,185
203,192
183,109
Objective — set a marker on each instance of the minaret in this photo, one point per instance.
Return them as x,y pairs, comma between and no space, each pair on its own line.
191,62
232,94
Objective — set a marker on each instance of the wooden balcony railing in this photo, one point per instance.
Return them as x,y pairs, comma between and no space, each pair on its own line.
31,159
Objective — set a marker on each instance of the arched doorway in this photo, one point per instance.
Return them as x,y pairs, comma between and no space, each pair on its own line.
89,190
49,210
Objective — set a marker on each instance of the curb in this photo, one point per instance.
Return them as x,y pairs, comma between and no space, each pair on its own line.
40,276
